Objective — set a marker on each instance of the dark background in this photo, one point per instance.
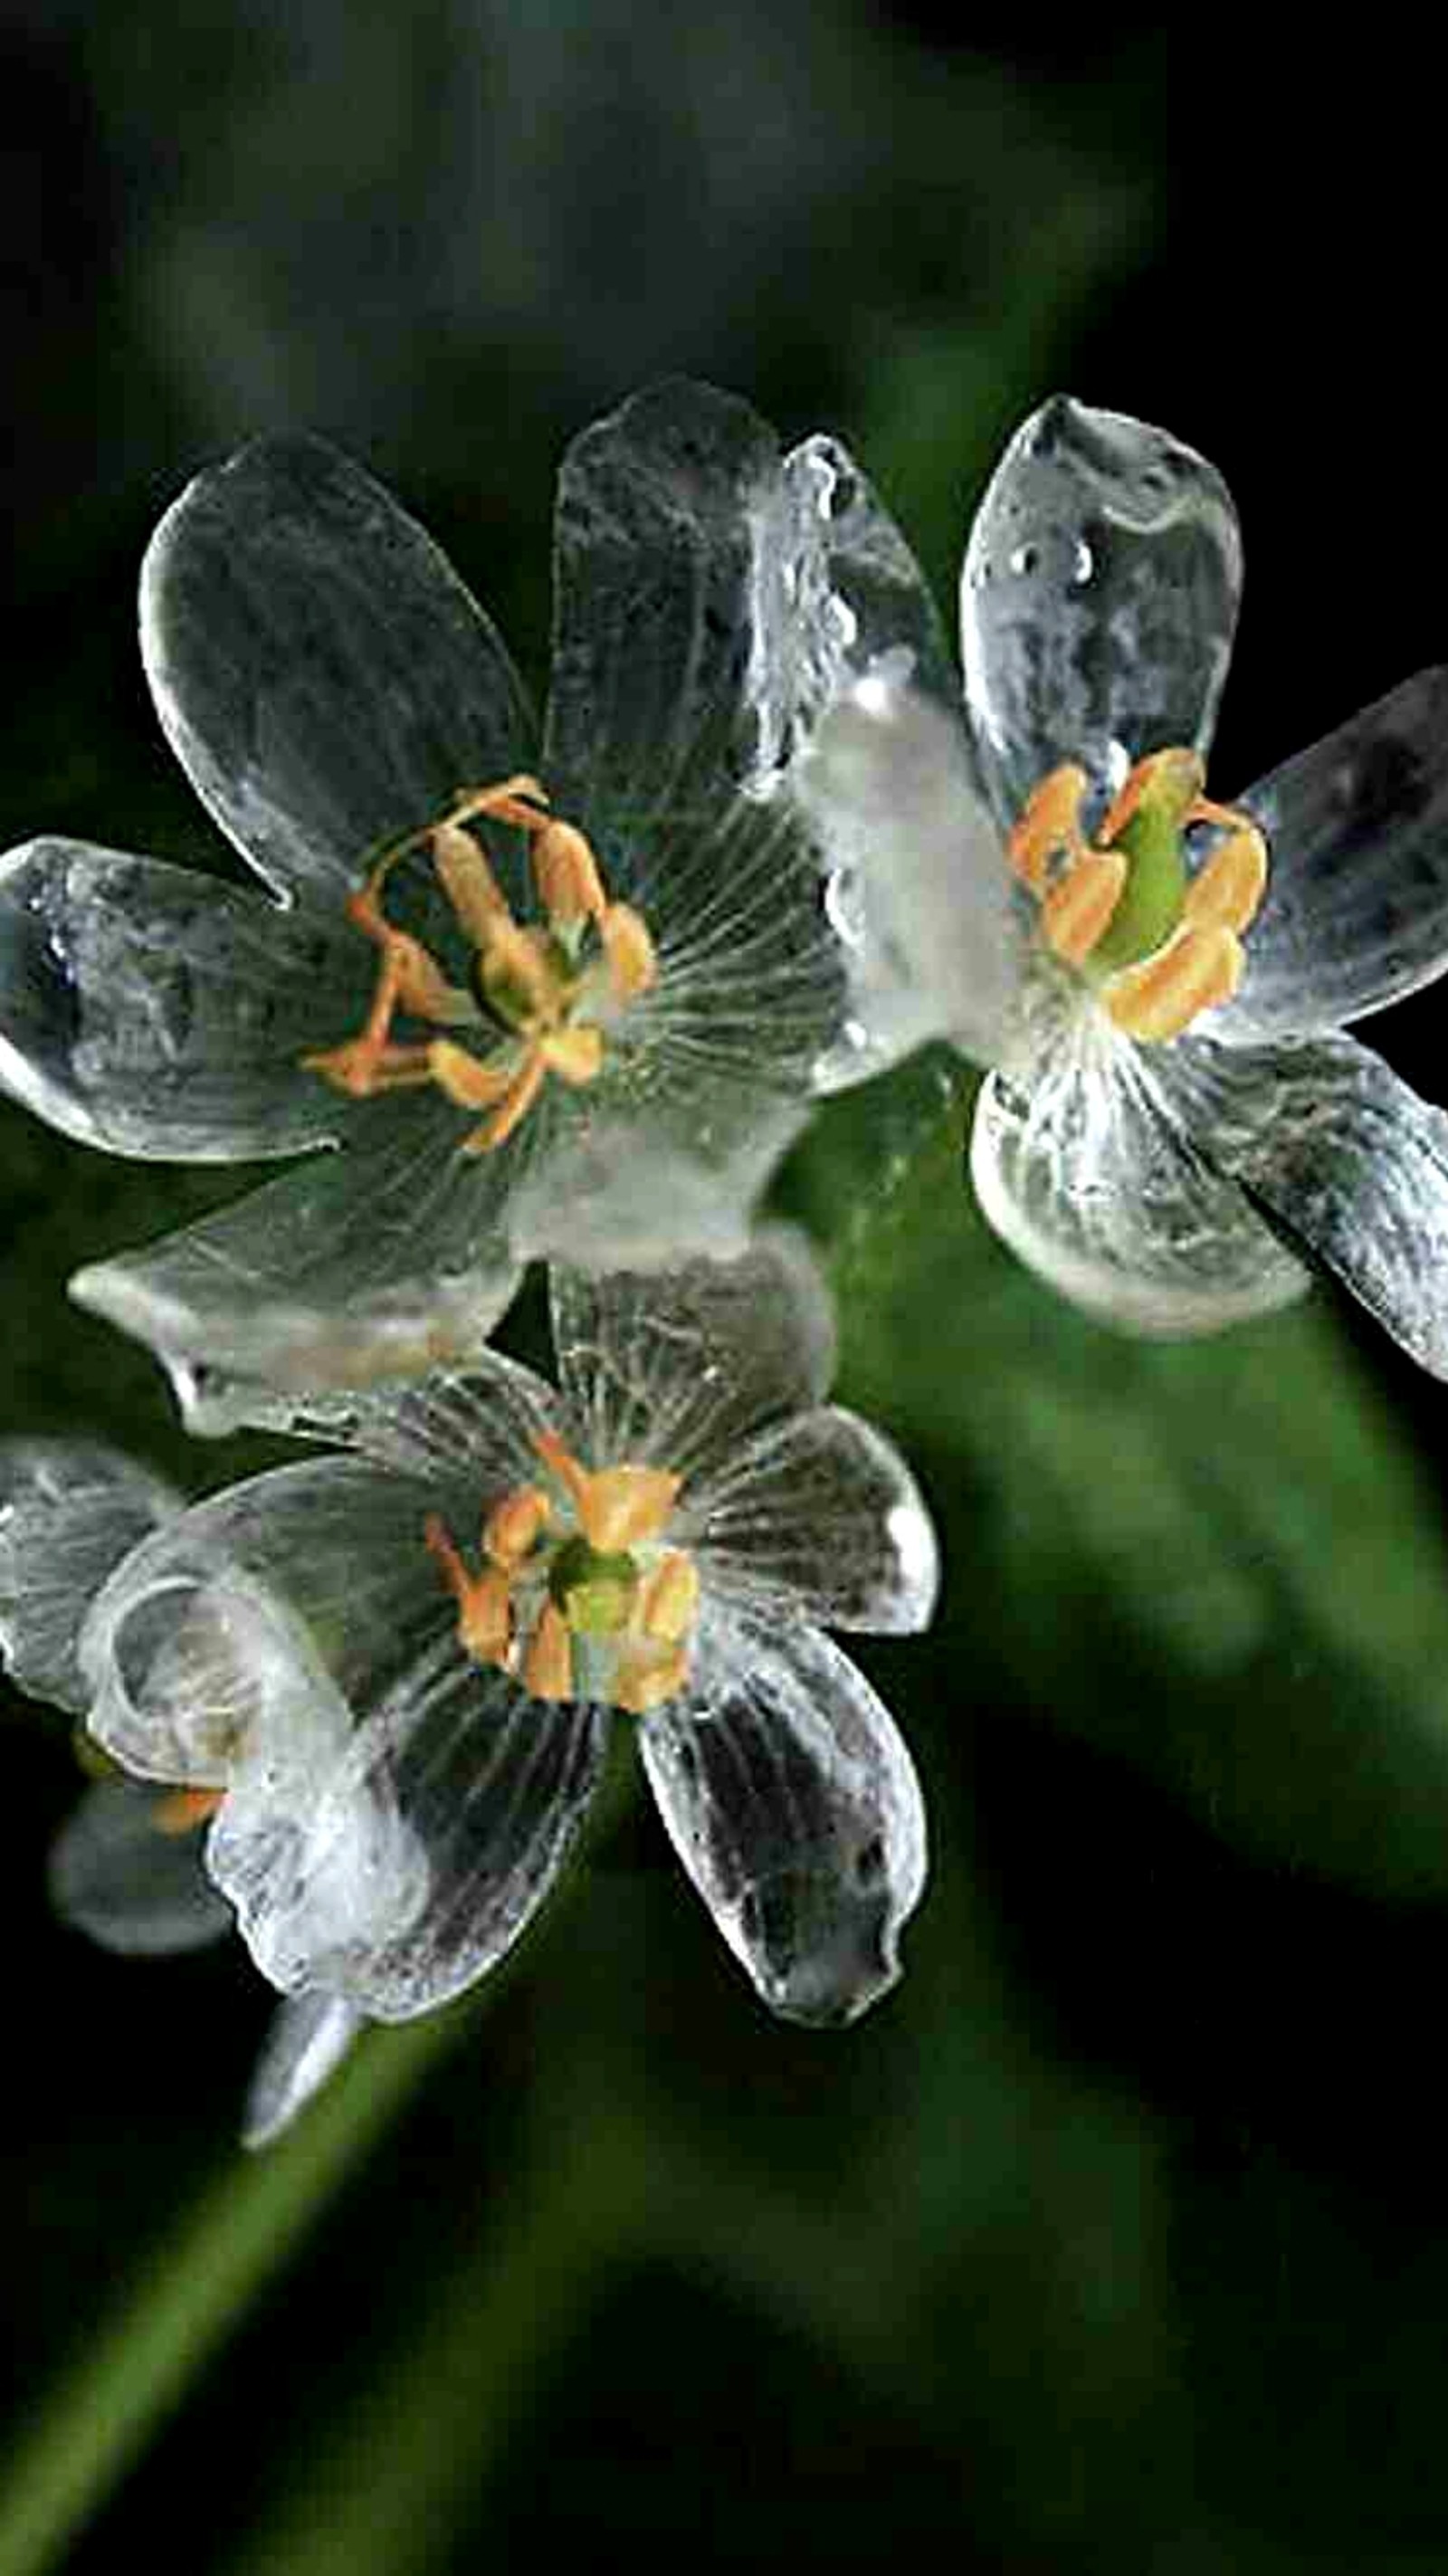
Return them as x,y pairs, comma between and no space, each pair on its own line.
1117,2239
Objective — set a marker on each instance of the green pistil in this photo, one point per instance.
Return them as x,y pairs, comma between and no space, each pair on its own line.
1156,881
596,1593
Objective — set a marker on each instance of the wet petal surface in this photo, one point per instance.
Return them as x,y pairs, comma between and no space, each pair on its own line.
821,1517
150,1010
1098,600
1356,911
70,1510
793,1804
321,672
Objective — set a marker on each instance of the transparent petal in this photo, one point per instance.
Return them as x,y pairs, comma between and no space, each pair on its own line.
818,1516
70,1510
1346,1163
791,1800
710,600
663,1159
320,670
1085,1168
150,1010
677,1368
367,1264
310,2035
472,1429
1098,599
919,885
1356,910
116,1876
454,1764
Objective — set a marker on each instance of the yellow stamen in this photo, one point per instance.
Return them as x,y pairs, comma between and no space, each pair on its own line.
1049,824
573,1054
1176,774
468,882
633,963
565,872
1078,907
669,1603
647,1681
182,1810
518,1098
548,1663
485,1612
514,1526
465,1078
1226,892
1196,971
617,1507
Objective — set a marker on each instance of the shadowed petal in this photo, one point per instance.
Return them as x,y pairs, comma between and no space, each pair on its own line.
1089,1174
150,1010
818,1516
1347,1163
372,1263
321,672
1356,910
116,1876
310,2035
70,1510
793,1804
1098,599
676,1368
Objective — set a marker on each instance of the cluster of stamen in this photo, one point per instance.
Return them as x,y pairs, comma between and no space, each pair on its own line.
541,994
575,1595
1160,943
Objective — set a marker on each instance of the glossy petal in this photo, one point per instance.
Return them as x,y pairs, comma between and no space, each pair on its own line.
1098,600
116,1876
320,670
919,887
356,1267
150,1010
1348,1165
1088,1168
793,1804
70,1510
1356,911
817,1517
468,1433
676,1369
710,600
310,2035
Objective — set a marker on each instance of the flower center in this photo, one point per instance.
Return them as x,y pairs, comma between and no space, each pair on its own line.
1160,944
576,1595
541,996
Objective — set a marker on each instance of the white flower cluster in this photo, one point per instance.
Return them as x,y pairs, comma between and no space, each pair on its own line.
506,993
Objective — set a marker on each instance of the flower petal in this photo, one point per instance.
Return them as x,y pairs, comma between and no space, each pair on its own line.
135,1889
310,2035
469,1432
70,1510
394,1812
1346,1163
793,1804
1098,600
1086,1169
367,1264
150,1010
321,672
1356,910
920,889
676,1368
710,601
674,1172
820,1517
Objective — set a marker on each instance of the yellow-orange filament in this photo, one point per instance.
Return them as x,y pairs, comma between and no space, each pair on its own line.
551,988
1195,972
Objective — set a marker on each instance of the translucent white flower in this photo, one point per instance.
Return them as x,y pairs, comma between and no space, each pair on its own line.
566,994
400,1664
1157,980
127,1866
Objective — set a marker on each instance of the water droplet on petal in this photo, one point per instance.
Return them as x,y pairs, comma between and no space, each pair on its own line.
1025,559
1084,564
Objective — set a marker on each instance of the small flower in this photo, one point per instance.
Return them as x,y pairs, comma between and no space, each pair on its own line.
126,1868
562,997
399,1664
1157,978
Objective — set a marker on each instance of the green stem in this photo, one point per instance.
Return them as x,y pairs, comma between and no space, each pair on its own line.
82,2441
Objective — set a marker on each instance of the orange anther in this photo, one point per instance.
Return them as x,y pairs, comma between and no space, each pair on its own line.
574,1054
485,1614
670,1601
514,1526
465,1078
566,874
1181,771
1049,823
633,962
514,961
1195,971
468,882
1228,888
516,1102
646,1681
1077,909
548,1664
180,1811
617,1507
